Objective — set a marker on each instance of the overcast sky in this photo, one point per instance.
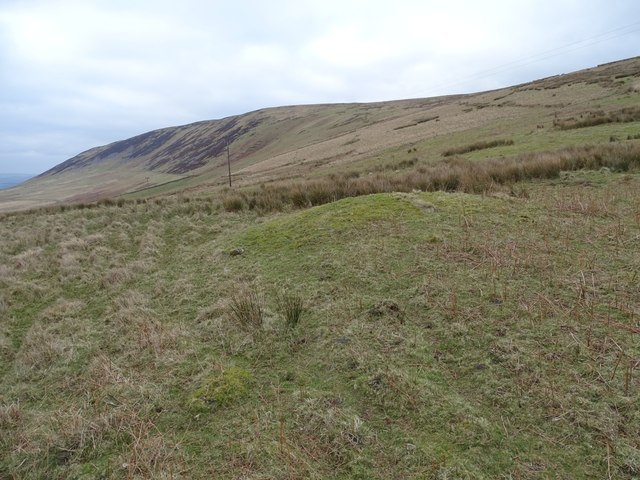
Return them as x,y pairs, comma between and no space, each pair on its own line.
75,74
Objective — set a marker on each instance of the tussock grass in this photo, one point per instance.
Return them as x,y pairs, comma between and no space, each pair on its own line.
132,316
42,346
291,306
246,310
476,146
151,243
10,416
29,259
6,273
104,373
116,276
599,117
4,306
453,174
75,243
69,266
60,310
233,203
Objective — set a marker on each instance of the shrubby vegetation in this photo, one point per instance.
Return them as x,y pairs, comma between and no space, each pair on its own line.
476,146
599,117
455,174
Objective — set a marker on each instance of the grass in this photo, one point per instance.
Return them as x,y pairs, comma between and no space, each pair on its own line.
292,307
443,334
476,146
599,117
466,317
246,309
454,174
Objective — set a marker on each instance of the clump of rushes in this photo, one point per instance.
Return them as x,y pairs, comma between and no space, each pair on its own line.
599,117
451,174
233,203
476,146
291,306
246,310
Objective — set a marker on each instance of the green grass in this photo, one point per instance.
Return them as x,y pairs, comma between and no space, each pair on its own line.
445,335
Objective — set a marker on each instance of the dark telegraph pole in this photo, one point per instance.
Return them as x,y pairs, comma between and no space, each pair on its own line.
228,161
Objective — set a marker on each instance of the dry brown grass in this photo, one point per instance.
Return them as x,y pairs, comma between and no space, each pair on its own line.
4,305
116,276
151,454
76,434
599,117
6,348
6,274
476,146
29,259
103,372
151,243
60,310
133,317
74,244
43,346
452,174
11,416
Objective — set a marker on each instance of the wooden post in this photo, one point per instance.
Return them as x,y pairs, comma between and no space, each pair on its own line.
228,162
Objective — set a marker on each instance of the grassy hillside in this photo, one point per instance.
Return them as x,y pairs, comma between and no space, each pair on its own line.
439,288
594,105
442,335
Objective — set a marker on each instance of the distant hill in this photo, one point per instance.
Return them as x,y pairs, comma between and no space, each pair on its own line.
295,141
8,180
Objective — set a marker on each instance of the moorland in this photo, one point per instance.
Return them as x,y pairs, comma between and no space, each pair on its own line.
431,288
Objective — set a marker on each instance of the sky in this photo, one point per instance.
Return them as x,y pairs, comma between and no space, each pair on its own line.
76,74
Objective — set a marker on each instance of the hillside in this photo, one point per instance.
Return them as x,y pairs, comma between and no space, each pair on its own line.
290,142
426,289
442,335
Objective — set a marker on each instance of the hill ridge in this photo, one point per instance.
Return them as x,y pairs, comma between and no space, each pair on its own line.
301,140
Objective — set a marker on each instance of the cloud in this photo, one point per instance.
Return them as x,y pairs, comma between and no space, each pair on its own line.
76,74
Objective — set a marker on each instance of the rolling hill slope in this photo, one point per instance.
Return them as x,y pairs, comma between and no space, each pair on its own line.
295,141
442,335
425,289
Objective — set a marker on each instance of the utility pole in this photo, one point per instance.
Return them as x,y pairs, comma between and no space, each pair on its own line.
228,162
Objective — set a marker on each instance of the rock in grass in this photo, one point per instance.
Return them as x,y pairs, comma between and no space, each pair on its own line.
236,252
